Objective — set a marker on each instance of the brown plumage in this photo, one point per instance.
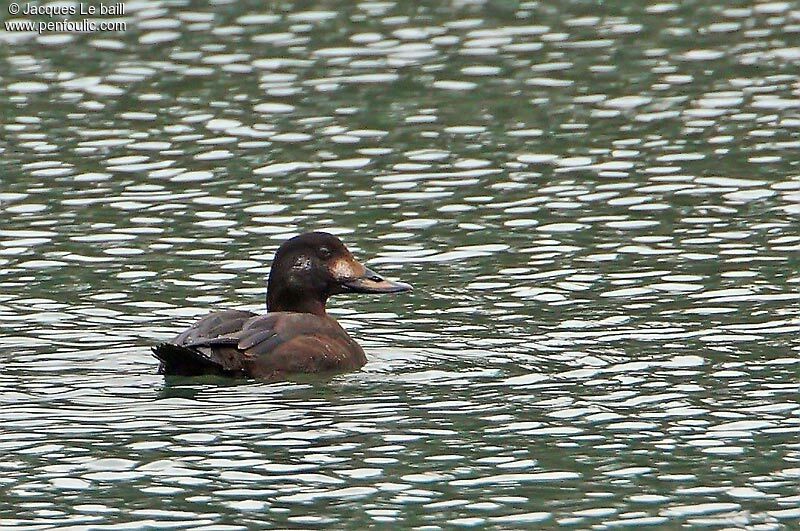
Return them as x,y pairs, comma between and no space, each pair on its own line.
295,335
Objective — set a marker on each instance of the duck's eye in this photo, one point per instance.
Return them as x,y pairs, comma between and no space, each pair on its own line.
325,253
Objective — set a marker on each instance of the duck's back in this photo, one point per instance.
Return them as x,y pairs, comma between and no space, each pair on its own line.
270,346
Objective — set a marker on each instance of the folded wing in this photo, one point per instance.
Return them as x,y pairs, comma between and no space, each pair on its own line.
181,357
238,343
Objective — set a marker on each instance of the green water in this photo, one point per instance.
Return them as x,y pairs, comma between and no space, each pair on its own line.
597,205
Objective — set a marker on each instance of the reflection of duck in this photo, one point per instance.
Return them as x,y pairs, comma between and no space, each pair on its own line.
295,335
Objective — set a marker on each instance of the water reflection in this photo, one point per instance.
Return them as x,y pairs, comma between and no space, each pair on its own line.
596,206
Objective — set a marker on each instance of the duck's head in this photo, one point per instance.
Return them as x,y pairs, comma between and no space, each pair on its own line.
309,268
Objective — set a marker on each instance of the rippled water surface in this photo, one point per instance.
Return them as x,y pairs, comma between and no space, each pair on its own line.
597,203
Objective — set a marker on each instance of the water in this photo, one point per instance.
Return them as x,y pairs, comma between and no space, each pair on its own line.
597,205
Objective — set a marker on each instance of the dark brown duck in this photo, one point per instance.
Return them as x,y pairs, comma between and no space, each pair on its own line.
295,335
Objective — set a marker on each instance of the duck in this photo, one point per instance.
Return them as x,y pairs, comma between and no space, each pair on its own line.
295,335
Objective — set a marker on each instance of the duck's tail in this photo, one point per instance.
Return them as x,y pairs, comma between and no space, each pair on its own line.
184,361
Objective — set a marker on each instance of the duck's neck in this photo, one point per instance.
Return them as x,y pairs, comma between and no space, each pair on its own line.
283,300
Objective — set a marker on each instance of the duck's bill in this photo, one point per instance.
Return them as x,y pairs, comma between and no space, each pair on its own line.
372,282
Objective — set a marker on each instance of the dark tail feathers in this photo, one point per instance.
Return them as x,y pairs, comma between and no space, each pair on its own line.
184,361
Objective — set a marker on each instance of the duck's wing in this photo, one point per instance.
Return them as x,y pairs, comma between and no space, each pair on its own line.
214,325
271,345
181,356
283,342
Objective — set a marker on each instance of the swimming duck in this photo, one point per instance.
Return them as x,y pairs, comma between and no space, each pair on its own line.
295,335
